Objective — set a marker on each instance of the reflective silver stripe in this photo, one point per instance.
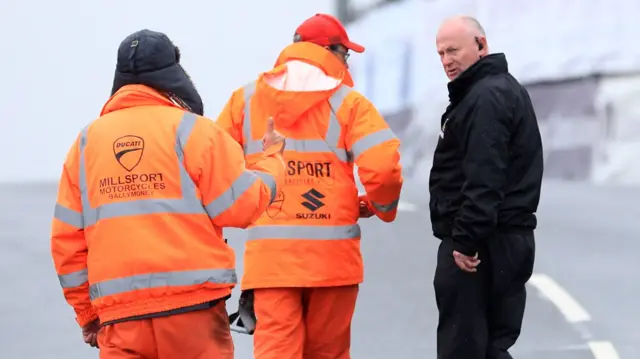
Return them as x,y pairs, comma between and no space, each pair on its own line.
371,140
228,198
328,145
188,204
304,232
333,132
385,207
68,216
162,279
74,279
270,182
250,146
237,189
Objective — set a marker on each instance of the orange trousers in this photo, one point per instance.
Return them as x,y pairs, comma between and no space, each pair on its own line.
304,323
202,334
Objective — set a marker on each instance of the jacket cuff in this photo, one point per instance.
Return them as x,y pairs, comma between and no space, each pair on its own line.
466,247
273,149
86,317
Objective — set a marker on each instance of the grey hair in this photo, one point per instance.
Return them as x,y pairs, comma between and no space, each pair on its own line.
475,24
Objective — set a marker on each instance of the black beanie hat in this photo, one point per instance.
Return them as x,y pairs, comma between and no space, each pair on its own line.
150,58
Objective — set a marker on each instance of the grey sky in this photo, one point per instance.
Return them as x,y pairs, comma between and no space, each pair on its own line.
59,57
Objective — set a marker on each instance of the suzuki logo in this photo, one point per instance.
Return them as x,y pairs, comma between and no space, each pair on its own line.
313,202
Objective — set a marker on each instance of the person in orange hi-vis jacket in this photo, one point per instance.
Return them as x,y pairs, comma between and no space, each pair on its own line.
144,194
303,262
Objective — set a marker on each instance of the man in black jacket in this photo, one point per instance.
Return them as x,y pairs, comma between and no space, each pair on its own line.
485,187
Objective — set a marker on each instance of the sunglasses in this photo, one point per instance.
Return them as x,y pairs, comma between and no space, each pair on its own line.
337,49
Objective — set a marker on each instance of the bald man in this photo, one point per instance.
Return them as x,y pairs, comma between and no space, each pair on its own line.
485,187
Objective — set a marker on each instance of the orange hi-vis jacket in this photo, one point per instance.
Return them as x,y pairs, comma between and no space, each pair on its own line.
309,236
144,194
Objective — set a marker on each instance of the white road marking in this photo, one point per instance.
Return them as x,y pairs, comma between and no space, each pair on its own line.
573,312
603,350
568,306
407,207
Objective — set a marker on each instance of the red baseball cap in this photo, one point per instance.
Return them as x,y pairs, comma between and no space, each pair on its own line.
325,30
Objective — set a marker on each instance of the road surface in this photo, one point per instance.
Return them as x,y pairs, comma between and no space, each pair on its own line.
583,301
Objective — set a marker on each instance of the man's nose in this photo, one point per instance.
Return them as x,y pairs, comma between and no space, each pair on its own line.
446,60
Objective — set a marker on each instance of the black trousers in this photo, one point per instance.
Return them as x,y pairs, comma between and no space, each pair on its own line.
480,314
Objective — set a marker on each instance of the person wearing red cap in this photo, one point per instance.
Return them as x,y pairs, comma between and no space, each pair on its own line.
326,30
303,263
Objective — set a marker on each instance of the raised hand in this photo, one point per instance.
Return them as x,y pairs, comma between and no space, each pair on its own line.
272,137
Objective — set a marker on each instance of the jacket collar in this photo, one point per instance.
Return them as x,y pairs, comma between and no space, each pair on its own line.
133,96
489,65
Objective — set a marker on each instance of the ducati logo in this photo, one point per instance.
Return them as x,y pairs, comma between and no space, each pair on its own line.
128,151
276,206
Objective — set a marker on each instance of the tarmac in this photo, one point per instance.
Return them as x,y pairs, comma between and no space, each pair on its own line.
582,304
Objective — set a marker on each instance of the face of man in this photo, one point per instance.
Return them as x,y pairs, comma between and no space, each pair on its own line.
341,52
457,46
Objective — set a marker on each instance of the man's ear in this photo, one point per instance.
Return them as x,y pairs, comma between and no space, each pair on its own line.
483,47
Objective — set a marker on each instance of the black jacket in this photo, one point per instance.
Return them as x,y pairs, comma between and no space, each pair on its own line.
487,166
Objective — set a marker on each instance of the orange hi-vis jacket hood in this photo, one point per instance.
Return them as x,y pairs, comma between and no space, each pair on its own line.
144,194
315,78
309,236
